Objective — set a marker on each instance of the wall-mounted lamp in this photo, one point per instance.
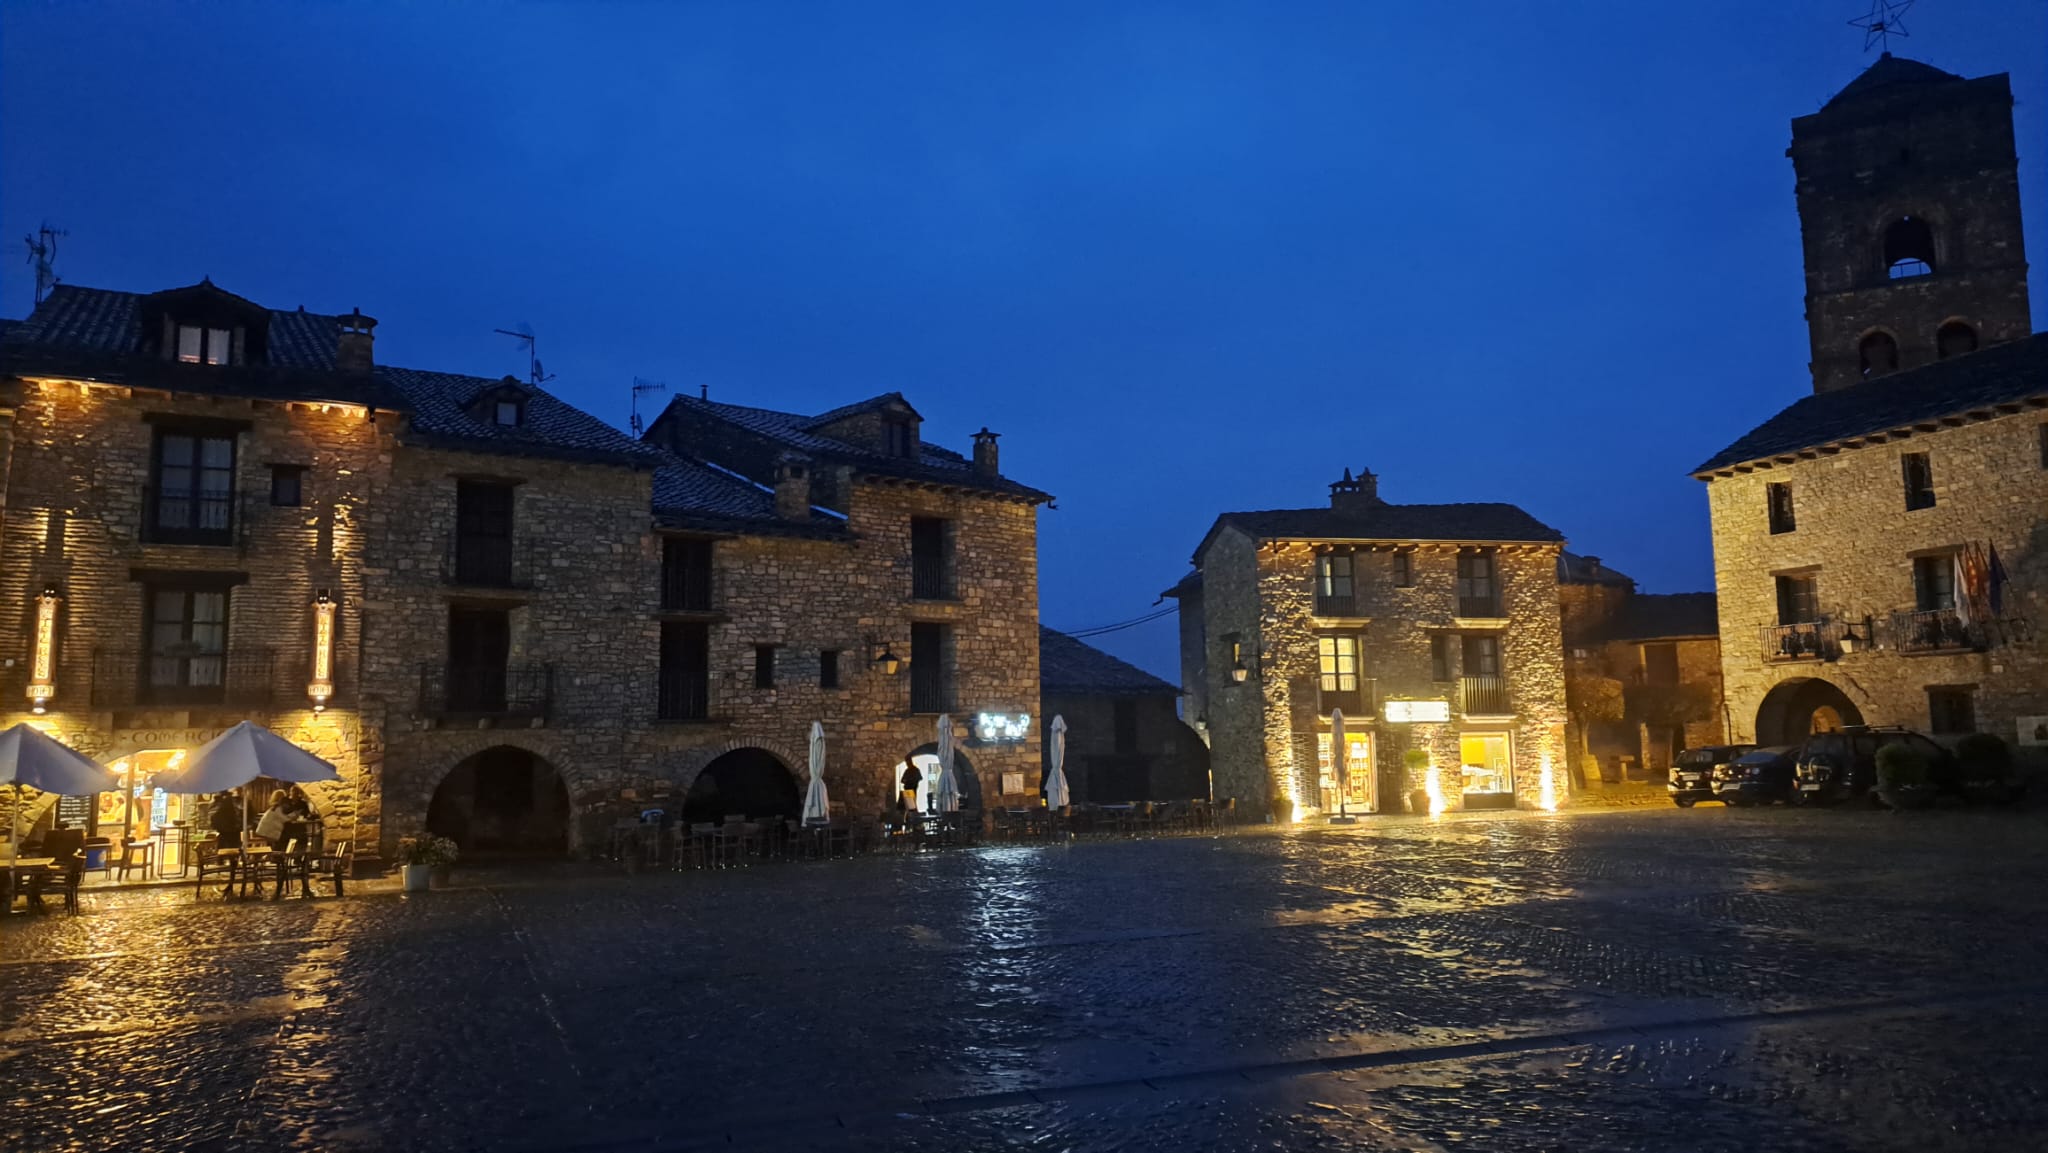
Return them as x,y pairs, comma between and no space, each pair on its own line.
884,657
1238,673
321,686
42,672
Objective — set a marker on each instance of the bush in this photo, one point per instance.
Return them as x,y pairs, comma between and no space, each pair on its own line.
1984,757
431,851
1900,765
1417,760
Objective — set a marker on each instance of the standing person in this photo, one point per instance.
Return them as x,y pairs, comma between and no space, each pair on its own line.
299,841
226,819
271,828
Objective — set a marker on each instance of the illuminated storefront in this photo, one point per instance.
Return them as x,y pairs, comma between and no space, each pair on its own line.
1487,767
138,812
1363,794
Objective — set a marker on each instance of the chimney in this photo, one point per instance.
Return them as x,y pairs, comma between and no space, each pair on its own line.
1592,565
985,452
793,487
1356,495
352,343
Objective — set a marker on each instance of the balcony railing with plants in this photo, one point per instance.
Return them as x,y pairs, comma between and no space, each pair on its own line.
1936,631
521,690
1806,641
1484,696
125,678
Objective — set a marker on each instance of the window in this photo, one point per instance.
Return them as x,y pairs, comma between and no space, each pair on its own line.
204,345
1337,661
828,669
931,680
479,657
1333,585
506,412
188,642
193,499
685,574
1908,248
685,682
1876,354
1439,656
1482,655
1798,600
1934,582
1778,500
764,666
1478,595
1660,663
1951,709
2043,437
287,485
1919,477
1124,722
1954,339
931,556
900,440
1404,566
483,533
1486,764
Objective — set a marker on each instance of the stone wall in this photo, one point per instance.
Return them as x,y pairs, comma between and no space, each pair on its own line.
1169,761
1855,533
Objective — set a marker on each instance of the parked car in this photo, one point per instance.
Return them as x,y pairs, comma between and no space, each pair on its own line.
1842,766
1692,773
1758,777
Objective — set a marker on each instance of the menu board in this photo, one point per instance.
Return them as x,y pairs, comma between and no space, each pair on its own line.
75,812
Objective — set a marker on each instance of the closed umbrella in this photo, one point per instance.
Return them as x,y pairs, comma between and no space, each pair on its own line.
1340,760
949,784
1056,778
817,806
31,759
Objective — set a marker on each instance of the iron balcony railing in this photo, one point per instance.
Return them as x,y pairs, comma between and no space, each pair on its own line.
182,677
928,578
1336,604
1806,641
683,695
184,516
686,577
1936,631
1485,605
513,690
1362,701
1484,696
486,561
929,694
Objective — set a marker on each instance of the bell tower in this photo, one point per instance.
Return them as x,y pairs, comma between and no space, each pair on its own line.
1909,214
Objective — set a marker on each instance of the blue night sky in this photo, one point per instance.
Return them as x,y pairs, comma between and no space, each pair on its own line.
1186,257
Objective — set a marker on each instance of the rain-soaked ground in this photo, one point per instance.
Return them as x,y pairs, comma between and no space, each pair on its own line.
1646,980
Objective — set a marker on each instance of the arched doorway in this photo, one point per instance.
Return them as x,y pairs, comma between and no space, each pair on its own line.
751,782
502,800
924,762
1798,708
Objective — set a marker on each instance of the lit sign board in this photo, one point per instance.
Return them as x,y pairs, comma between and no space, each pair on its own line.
1413,712
42,676
996,728
322,684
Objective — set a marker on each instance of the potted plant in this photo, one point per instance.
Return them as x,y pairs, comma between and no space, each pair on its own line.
1986,765
1417,761
1903,781
425,859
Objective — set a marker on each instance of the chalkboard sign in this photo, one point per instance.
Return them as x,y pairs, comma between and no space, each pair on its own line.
75,812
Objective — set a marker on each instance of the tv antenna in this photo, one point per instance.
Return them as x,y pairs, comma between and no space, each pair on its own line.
42,253
641,387
1885,20
524,334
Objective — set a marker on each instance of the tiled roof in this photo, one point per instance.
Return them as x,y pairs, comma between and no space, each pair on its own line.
871,404
1191,583
439,403
2003,376
692,495
1663,616
1889,72
81,319
795,430
1478,523
1066,665
1573,569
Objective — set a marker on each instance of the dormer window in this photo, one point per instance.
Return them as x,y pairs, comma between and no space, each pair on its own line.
901,438
507,413
502,404
198,345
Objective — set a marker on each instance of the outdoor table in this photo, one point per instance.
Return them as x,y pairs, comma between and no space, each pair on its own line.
23,869
253,861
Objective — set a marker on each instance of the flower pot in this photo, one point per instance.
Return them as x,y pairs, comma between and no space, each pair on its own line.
1418,801
417,877
439,874
1906,796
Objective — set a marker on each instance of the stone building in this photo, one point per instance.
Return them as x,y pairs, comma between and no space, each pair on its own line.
1878,546
1659,656
1430,626
497,615
1125,738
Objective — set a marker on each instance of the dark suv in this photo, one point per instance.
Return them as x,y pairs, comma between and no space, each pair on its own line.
1692,773
1841,766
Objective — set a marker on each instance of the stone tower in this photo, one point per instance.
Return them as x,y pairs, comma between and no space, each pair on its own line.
1909,207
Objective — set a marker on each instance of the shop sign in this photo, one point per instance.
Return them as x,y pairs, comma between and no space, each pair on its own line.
1001,728
75,812
1418,712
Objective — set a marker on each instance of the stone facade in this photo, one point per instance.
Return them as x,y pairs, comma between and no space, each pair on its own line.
1857,540
1646,645
1259,610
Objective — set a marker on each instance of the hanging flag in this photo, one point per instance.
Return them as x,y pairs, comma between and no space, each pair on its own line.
1961,592
1998,579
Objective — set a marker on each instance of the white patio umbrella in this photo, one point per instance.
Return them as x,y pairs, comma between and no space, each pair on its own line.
1056,796
817,805
32,759
240,755
949,784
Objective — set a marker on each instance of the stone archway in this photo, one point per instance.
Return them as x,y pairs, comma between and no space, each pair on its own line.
1798,708
746,781
926,758
503,799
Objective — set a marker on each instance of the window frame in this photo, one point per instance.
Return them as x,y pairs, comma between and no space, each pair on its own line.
209,339
194,491
1487,648
1333,652
1440,658
764,666
1781,582
499,408
183,688
1916,474
1934,574
295,474
1944,717
1780,510
828,668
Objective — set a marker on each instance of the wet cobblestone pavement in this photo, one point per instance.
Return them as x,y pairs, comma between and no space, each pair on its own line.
1648,979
